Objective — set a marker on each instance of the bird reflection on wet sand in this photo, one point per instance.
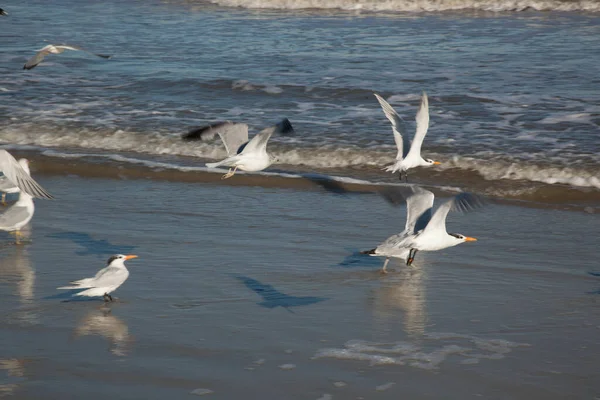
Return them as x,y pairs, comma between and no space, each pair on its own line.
15,266
274,298
402,291
101,322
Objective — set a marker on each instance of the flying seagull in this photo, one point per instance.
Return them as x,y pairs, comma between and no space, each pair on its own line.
424,230
17,173
247,155
54,49
409,155
106,281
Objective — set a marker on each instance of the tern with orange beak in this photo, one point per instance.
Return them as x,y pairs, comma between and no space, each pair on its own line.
423,232
106,281
409,154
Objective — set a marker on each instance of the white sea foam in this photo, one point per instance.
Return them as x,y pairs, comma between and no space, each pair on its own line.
418,5
489,165
427,355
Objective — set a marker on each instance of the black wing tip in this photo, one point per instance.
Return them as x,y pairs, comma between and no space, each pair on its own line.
372,251
107,56
285,126
196,133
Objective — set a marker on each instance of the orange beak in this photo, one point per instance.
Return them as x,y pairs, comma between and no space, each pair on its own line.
437,163
129,257
470,239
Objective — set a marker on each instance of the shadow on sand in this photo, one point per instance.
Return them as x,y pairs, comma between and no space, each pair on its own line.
92,246
274,298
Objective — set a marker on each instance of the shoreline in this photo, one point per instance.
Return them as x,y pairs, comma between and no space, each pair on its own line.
191,170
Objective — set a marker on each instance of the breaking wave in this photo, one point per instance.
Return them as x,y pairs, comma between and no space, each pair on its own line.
418,5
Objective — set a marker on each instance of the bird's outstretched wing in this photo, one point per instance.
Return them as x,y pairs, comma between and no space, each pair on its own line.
422,119
35,60
462,202
419,203
402,143
260,140
17,175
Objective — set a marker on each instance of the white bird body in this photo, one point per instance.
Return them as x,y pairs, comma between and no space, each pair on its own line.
409,154
423,232
18,215
247,155
106,281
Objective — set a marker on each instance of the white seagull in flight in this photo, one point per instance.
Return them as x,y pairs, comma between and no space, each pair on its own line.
423,231
106,281
54,49
243,154
409,155
16,173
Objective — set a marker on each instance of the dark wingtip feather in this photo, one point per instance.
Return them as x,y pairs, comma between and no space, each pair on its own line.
285,126
465,202
197,133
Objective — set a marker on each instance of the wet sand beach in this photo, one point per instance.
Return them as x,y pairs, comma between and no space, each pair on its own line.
254,292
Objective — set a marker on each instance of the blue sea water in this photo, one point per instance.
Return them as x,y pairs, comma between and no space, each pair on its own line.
513,96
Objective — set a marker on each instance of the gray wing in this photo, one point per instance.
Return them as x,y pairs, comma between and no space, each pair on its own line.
109,276
17,175
234,137
260,140
35,60
462,202
63,47
402,142
419,203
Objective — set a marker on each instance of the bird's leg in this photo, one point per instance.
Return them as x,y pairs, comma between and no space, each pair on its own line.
3,198
406,176
110,298
18,235
105,297
383,269
411,257
230,173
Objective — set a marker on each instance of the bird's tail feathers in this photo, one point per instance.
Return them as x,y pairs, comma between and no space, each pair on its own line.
228,162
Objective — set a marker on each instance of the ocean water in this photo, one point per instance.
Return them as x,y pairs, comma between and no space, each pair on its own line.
514,107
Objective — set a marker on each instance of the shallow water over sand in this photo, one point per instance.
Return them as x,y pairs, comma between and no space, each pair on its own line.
255,292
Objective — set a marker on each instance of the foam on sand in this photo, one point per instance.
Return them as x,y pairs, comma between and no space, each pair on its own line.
436,349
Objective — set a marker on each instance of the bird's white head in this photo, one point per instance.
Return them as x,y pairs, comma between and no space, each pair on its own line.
119,259
431,162
24,163
458,238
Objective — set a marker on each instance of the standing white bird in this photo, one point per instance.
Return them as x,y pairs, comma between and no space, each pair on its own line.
17,172
409,155
19,214
54,49
423,231
243,154
106,281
